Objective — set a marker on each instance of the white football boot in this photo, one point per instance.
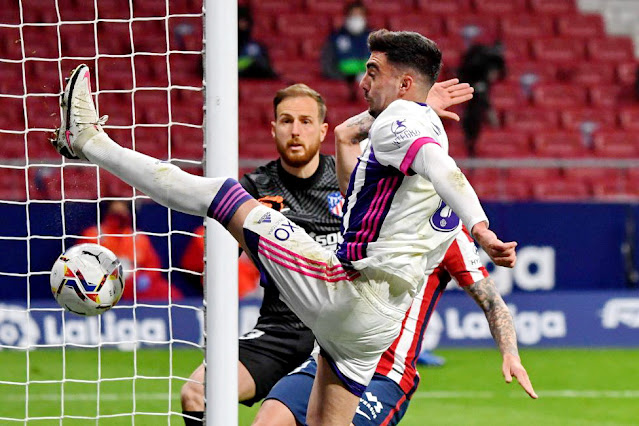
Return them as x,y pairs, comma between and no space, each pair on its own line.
80,120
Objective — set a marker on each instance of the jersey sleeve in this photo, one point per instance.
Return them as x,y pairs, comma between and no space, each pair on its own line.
399,133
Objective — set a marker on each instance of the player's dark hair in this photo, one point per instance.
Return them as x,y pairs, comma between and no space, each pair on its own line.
408,49
300,90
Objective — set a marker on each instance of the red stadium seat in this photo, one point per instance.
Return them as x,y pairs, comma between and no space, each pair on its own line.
500,188
559,95
80,183
149,36
187,142
561,190
151,71
591,73
119,106
114,38
40,42
503,143
375,7
43,112
595,175
274,7
13,112
452,49
282,48
296,24
112,186
516,49
187,107
296,69
10,46
616,144
527,26
12,184
529,71
259,91
610,95
610,49
629,118
38,146
533,175
13,145
560,144
456,23
530,119
430,26
115,73
557,50
151,107
444,7
499,7
326,7
186,69
508,96
10,13
575,117
185,33
627,72
153,141
580,26
615,191
554,7
78,40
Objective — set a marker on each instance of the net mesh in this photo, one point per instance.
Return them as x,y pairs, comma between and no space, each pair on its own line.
146,64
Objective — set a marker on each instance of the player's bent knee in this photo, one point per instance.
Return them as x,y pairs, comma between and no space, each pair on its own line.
192,396
274,413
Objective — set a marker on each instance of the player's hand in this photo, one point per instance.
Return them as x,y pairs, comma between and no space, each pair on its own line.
355,129
501,253
511,367
446,94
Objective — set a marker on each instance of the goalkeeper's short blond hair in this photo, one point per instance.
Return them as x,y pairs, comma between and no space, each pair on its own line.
300,90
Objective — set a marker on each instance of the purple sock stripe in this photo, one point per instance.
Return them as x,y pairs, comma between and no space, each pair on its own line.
228,193
237,194
227,200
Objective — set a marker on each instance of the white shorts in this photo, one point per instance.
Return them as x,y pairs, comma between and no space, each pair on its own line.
351,323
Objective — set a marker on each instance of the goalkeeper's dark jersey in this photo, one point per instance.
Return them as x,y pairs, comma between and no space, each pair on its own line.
314,203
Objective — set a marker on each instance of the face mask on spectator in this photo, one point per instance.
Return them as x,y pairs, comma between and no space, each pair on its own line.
355,24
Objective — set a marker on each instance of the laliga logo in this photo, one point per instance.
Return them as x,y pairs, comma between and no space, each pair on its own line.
531,326
620,311
534,270
17,328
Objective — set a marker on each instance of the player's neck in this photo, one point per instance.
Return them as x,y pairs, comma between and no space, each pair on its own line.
305,171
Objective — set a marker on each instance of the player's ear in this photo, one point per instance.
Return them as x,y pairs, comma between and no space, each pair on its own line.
323,131
405,83
273,129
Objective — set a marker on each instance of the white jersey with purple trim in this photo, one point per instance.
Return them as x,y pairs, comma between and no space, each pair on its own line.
395,224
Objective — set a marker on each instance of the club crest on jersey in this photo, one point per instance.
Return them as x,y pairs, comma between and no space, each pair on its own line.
398,127
335,204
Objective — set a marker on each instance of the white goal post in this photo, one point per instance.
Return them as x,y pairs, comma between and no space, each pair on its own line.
129,364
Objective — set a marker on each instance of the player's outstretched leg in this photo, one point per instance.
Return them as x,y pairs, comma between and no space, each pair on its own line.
81,136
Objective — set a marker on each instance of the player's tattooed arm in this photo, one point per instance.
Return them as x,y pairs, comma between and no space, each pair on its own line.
503,330
500,321
348,135
357,128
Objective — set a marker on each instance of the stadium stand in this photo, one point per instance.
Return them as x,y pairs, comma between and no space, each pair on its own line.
568,94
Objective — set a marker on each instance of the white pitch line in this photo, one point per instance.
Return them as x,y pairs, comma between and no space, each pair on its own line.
159,396
557,393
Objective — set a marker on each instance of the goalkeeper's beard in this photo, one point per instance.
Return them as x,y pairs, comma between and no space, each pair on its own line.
297,159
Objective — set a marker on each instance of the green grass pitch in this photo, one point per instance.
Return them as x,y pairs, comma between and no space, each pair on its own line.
576,387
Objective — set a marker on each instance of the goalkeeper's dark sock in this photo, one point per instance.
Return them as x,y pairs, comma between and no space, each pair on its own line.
192,422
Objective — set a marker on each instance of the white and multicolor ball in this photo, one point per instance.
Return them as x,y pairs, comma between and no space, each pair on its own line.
87,279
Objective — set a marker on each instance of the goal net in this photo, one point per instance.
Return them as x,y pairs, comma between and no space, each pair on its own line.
127,365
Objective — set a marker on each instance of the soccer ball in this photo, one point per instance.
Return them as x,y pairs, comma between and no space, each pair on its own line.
87,279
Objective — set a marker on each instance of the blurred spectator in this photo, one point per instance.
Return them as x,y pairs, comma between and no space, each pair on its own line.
345,52
133,250
193,260
481,66
253,60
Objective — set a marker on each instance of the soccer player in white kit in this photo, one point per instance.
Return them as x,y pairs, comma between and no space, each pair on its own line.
397,226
